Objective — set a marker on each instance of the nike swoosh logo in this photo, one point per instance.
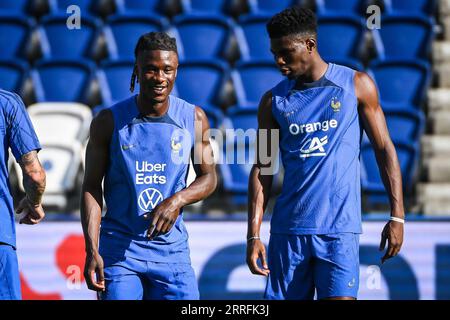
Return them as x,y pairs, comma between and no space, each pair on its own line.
128,146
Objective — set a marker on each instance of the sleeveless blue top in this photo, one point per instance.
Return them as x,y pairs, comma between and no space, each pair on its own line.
320,138
148,162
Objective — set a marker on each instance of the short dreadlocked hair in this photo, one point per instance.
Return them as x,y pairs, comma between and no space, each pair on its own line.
153,41
294,20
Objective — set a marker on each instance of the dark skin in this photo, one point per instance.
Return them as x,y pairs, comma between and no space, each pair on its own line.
297,58
156,73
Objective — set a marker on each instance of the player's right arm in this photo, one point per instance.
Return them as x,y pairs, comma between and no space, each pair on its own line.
260,183
97,152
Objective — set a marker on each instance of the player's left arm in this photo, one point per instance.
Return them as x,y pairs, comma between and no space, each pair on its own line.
166,213
375,126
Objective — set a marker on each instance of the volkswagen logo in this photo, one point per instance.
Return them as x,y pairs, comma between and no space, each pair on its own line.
149,198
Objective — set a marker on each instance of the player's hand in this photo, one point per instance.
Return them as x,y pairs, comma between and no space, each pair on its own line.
393,235
256,250
32,214
162,217
93,272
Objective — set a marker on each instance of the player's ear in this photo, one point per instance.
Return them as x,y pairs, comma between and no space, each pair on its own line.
311,44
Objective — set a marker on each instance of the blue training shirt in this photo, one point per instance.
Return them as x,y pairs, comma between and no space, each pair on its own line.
17,133
148,162
320,137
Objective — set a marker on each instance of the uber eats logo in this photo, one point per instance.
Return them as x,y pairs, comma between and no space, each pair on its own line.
150,173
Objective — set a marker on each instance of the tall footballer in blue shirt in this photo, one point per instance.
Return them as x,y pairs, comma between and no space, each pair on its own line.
141,147
319,111
17,134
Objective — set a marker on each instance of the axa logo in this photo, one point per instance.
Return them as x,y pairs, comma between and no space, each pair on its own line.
149,199
314,147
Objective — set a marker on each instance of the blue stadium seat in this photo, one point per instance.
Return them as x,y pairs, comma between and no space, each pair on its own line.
252,37
140,6
15,6
403,36
215,116
235,169
270,6
58,42
86,6
336,6
14,34
252,79
401,82
12,74
411,7
405,124
123,31
202,6
200,82
114,79
62,81
339,36
242,118
372,184
202,36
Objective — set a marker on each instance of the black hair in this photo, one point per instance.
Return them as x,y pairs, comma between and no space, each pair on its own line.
152,41
294,20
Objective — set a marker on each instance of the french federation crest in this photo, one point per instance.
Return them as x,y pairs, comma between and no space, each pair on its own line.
335,104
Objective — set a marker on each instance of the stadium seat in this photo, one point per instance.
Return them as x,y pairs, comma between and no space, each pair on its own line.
14,35
215,116
114,79
270,6
405,124
202,36
401,82
123,31
12,74
61,163
58,42
235,169
242,118
348,6
339,36
62,81
410,7
141,6
252,37
200,82
15,6
404,37
252,79
202,6
61,6
73,119
370,177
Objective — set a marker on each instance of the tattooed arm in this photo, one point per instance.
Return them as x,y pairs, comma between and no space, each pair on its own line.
34,184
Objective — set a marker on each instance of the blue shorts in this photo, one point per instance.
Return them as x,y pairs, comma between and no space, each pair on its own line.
9,274
302,264
132,279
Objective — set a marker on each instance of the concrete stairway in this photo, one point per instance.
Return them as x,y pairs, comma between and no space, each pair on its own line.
433,194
